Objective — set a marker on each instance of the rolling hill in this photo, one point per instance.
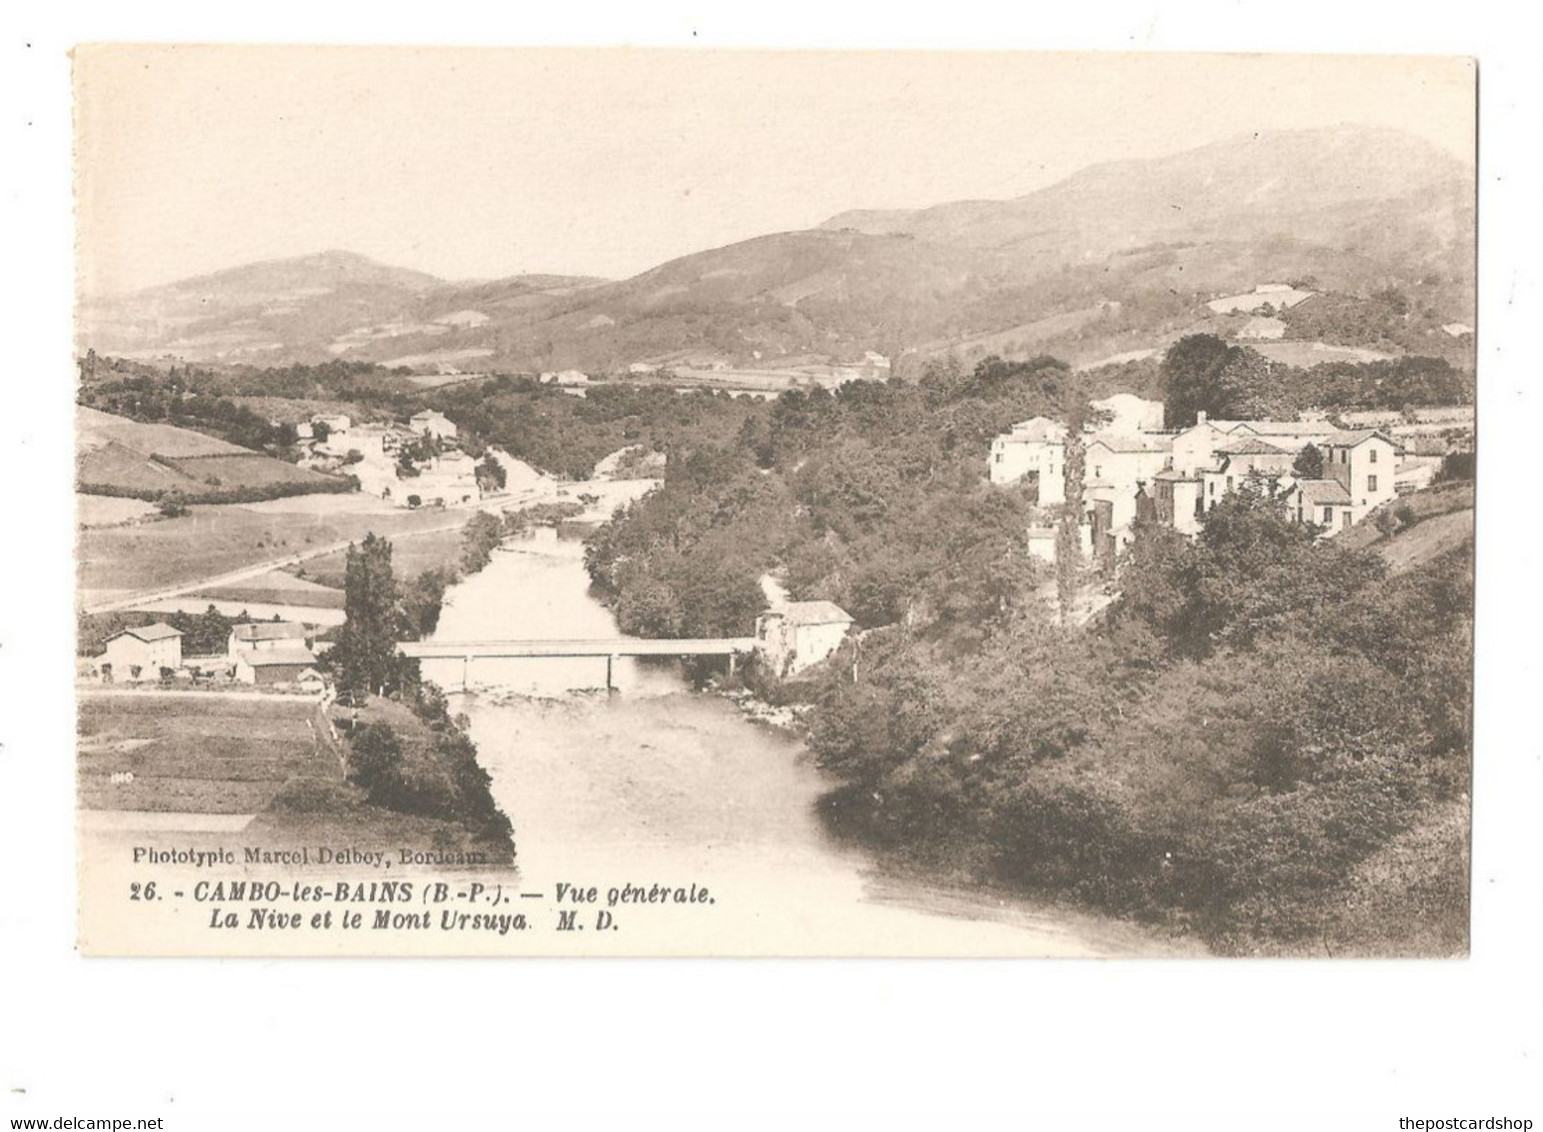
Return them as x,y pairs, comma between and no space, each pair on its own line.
1116,257
120,457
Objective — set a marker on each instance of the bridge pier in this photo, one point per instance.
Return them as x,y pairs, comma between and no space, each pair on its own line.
610,682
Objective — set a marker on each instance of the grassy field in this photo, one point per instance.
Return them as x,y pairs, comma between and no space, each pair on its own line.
411,555
244,469
202,754
96,429
109,510
115,455
279,588
214,540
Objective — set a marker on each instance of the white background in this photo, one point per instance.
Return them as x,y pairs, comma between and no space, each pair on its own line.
234,1045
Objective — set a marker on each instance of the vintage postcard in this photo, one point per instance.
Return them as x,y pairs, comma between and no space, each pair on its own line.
708,503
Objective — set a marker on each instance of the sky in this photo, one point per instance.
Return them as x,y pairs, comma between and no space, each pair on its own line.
481,163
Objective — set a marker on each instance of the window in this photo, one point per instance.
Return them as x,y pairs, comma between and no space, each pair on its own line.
1371,482
1328,516
999,457
1229,483
1344,517
1098,472
1211,487
1372,454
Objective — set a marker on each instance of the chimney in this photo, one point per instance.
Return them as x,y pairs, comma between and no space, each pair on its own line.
1200,417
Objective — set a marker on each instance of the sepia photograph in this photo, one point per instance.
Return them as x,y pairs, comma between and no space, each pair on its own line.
544,502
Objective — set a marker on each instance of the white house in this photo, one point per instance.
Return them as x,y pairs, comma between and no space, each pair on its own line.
1117,468
140,653
1324,502
433,423
1365,463
1242,456
798,634
266,636
1034,448
449,478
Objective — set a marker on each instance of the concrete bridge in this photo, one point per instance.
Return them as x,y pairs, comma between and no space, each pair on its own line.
608,648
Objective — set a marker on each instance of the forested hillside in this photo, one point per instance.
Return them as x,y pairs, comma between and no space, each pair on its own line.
1260,739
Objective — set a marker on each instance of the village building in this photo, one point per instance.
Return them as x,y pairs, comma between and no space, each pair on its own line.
141,653
1035,448
1244,456
795,635
284,664
1323,502
1365,462
1117,469
450,477
266,636
1179,501
433,423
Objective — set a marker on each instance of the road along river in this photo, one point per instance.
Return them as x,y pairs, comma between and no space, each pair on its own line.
661,786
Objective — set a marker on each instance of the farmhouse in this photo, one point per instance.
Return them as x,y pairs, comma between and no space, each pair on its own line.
140,654
798,634
284,664
266,637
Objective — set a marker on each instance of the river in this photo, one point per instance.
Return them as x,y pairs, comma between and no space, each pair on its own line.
661,785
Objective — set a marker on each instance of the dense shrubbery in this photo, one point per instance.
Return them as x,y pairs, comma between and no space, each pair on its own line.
1232,751
567,435
1202,373
1257,719
254,493
871,496
433,774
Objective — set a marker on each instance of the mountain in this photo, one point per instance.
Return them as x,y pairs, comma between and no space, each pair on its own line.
1116,257
302,309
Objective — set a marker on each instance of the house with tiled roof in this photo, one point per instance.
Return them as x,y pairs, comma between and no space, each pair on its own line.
795,635
140,653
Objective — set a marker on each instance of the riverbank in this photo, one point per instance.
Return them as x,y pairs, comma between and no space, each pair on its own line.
659,783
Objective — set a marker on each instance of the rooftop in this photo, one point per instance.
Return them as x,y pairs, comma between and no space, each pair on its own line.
1319,492
1252,446
814,613
271,631
160,631
1145,442
276,658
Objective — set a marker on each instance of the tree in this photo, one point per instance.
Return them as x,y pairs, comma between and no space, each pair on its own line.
1309,463
365,657
1201,373
491,475
1068,537
1191,374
